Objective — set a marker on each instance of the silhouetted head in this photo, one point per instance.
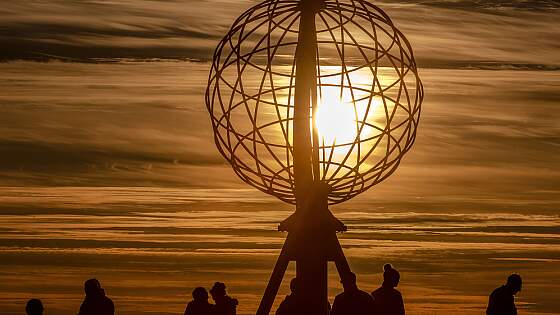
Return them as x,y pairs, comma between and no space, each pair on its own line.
294,284
200,294
34,307
349,281
391,276
218,290
514,283
92,287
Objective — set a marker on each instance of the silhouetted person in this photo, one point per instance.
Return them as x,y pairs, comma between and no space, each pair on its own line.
352,301
34,307
224,304
95,302
199,305
501,301
289,305
294,303
387,299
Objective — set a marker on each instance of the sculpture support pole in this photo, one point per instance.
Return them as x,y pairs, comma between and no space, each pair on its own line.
304,100
311,260
275,280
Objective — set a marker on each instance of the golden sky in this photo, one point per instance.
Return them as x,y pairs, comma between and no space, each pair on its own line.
107,159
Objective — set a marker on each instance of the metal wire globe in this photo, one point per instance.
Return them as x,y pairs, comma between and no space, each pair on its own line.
368,88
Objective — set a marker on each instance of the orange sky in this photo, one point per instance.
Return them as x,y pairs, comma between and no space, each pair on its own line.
108,166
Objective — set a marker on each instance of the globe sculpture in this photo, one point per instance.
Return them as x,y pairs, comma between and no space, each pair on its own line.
313,102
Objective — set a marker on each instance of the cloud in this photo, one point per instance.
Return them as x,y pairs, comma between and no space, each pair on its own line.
37,156
51,163
487,139
514,34
96,29
158,251
445,37
491,6
102,127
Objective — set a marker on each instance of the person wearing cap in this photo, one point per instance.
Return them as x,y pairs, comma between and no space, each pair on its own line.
34,307
387,299
225,305
352,301
199,304
95,302
501,301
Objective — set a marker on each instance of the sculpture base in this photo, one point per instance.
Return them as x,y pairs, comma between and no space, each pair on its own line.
311,243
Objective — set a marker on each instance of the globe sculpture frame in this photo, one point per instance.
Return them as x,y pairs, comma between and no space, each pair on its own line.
281,65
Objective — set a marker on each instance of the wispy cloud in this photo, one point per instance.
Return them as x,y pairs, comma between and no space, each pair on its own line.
488,139
492,34
169,247
105,29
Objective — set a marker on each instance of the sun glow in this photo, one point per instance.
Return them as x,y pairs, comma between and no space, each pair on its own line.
341,121
335,120
349,120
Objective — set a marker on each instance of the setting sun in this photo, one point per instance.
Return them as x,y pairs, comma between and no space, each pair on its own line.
339,119
335,120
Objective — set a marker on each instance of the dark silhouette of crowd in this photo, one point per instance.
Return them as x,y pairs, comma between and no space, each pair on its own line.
385,300
199,304
352,301
224,305
95,302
